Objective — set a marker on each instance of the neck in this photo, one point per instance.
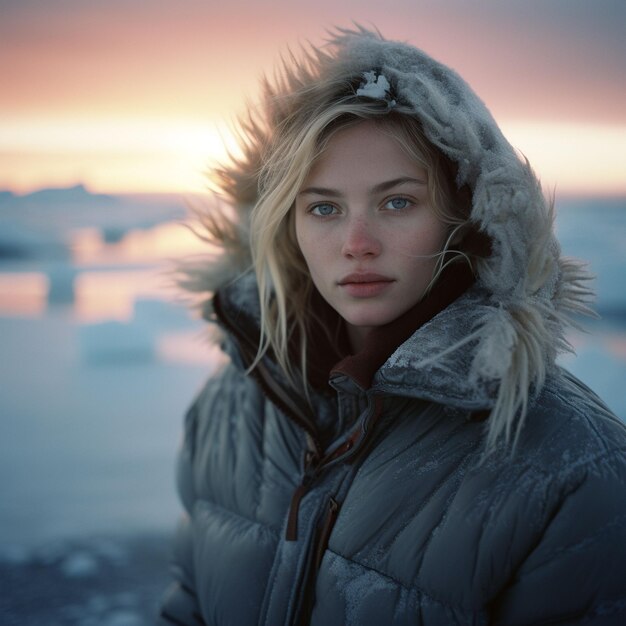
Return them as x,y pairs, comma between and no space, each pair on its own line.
357,336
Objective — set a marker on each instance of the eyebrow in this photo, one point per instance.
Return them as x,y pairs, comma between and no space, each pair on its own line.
380,187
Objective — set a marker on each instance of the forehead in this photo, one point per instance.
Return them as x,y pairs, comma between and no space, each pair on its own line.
363,152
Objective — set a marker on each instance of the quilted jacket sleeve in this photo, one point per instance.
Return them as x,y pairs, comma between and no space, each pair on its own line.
180,604
575,574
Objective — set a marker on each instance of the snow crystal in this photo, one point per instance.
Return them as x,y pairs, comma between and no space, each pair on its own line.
79,564
13,554
122,618
110,551
375,86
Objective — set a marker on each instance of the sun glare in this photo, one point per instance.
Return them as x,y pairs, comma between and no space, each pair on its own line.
170,155
113,156
573,158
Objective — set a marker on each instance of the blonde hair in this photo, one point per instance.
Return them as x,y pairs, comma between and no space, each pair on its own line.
283,279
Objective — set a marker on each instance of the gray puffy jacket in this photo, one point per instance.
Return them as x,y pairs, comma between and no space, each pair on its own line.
399,517
400,520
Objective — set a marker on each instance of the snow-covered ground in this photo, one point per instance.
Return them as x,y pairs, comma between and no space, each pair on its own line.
98,366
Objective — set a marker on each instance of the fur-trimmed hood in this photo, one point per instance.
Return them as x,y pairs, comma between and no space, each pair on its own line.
514,318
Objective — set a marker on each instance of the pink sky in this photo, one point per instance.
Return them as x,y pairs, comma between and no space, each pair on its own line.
132,94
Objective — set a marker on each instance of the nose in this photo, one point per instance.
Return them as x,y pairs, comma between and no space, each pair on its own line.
360,239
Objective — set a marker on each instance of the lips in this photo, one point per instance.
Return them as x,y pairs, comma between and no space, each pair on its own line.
366,285
358,278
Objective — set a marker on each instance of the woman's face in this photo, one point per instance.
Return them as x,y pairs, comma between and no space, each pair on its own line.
366,228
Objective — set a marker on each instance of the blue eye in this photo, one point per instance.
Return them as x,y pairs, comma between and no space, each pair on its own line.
323,210
397,203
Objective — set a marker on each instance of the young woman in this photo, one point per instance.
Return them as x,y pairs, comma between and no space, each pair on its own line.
390,440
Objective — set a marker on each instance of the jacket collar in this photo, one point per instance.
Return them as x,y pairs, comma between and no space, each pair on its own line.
426,355
384,340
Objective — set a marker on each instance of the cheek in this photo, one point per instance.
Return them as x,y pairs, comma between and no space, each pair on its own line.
425,241
308,243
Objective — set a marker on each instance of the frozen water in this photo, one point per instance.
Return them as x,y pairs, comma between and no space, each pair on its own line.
595,231
40,224
86,446
61,277
42,591
123,618
116,342
79,564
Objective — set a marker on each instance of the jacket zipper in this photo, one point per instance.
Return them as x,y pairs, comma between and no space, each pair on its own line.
326,529
313,467
310,463
321,543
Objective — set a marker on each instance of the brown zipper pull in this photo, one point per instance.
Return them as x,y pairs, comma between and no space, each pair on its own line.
322,535
326,529
291,533
294,507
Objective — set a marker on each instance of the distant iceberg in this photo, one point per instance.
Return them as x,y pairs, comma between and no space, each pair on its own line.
41,224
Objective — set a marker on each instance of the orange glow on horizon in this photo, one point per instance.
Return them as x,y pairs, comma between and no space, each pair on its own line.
129,98
110,295
170,156
575,159
111,156
169,240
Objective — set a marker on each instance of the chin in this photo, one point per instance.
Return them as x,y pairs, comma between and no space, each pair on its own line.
369,319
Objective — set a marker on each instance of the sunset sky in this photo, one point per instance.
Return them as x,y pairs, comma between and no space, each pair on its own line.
136,95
